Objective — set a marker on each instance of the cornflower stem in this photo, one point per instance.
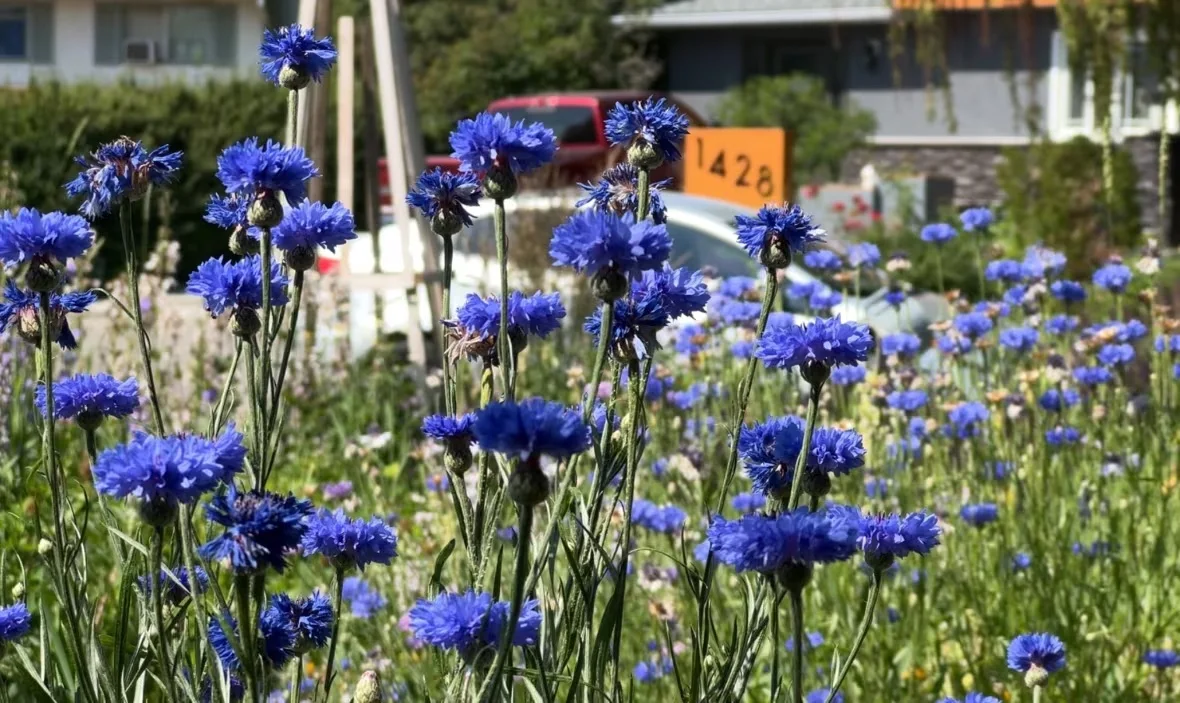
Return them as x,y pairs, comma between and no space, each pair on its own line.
861,632
264,382
775,639
158,612
449,401
215,419
484,486
636,388
503,343
490,690
796,596
337,601
979,264
255,412
296,680
642,195
745,388
137,313
190,562
91,448
1037,691
938,267
276,409
246,633
805,450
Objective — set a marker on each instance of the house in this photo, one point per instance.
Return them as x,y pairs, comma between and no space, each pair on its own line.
142,40
1006,79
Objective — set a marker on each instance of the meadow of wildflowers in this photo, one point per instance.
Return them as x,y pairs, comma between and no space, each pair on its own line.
688,496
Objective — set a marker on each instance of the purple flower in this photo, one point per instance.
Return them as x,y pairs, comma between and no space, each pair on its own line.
967,419
118,171
1006,270
767,543
30,236
823,259
1116,354
229,285
972,324
663,519
593,242
311,225
490,142
939,233
863,255
531,428
653,122
250,171
295,49
348,542
445,195
169,470
1040,653
979,514
90,398
1019,339
618,193
976,219
785,229
1068,291
1113,277
536,315
469,622
826,341
260,529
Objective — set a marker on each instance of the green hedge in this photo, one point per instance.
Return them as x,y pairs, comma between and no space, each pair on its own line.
45,126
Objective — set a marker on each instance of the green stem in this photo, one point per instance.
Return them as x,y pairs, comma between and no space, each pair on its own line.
643,195
296,680
775,638
490,690
158,611
938,266
91,448
638,385
256,416
292,112
503,341
276,410
796,596
337,601
449,401
483,488
264,381
979,265
216,419
137,313
861,632
1037,691
197,598
801,462
246,633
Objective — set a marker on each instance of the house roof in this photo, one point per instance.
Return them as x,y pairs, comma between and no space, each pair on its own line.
719,13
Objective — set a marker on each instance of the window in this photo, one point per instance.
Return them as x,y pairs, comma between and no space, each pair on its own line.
1077,96
193,35
1071,107
26,32
1139,85
14,30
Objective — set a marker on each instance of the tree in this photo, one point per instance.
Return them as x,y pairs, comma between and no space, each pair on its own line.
824,133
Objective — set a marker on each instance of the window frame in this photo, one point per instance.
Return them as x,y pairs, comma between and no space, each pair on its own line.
27,57
163,41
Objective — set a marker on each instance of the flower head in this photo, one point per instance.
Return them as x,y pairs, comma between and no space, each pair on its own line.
469,622
536,315
783,229
979,514
1068,291
1161,658
939,233
176,586
362,600
1116,354
748,502
1113,277
309,618
260,528
973,324
22,311
443,195
169,470
448,428
1055,401
903,344
229,285
276,636
823,259
118,171
967,419
618,192
28,235
847,375
1006,270
1019,339
1061,324
15,622
972,697
295,51
1092,375
87,397
824,299
593,242
1062,435
664,519
825,341
907,401
1040,262
884,538
311,225
653,122
657,299
763,543
347,542
1038,654
820,695
863,255
493,141
249,170
227,212
976,219
531,428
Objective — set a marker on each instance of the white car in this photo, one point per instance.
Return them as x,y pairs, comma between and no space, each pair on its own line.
703,235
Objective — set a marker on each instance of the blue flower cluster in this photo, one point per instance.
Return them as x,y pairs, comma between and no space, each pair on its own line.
27,235
653,122
249,170
617,192
788,228
662,519
767,543
21,309
470,622
536,315
175,469
826,341
446,195
311,225
261,528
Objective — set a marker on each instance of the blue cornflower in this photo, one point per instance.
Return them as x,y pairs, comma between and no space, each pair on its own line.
651,671
1040,262
29,236
593,243
803,289
967,419
23,311
824,299
292,56
876,487
654,127
820,695
1092,375
276,637
1056,401
1059,436
691,340
863,255
1061,324
895,297
1016,295
770,450
734,313
490,142
748,502
311,225
176,590
1006,270
885,538
813,640
775,232
664,519
90,398
442,196
164,471
823,259
687,399
362,600
118,171
847,375
976,219
999,308
979,514
309,618
953,343
738,287
681,292
1167,343
227,212
1161,658
1021,561
903,344
536,315
251,171
1116,354
973,324
260,529
1113,277
1019,339
1114,331
656,299
469,622
1068,291
1095,550
348,542
826,341
531,428
618,192
906,401
231,285
15,622
938,233
1036,655
972,697
448,428
766,544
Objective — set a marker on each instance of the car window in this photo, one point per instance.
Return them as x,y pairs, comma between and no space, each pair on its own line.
571,124
696,249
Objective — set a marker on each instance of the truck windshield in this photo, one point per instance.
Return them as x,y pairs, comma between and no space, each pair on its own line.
572,124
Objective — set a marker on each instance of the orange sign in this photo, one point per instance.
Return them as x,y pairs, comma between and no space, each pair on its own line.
745,165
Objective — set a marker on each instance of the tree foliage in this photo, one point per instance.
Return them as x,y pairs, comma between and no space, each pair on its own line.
824,132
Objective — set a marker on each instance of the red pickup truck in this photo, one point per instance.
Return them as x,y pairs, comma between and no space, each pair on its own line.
579,121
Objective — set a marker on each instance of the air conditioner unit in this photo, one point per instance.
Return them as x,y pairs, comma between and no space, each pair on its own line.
141,51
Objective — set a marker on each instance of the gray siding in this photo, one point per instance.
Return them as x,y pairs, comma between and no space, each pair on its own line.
703,64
